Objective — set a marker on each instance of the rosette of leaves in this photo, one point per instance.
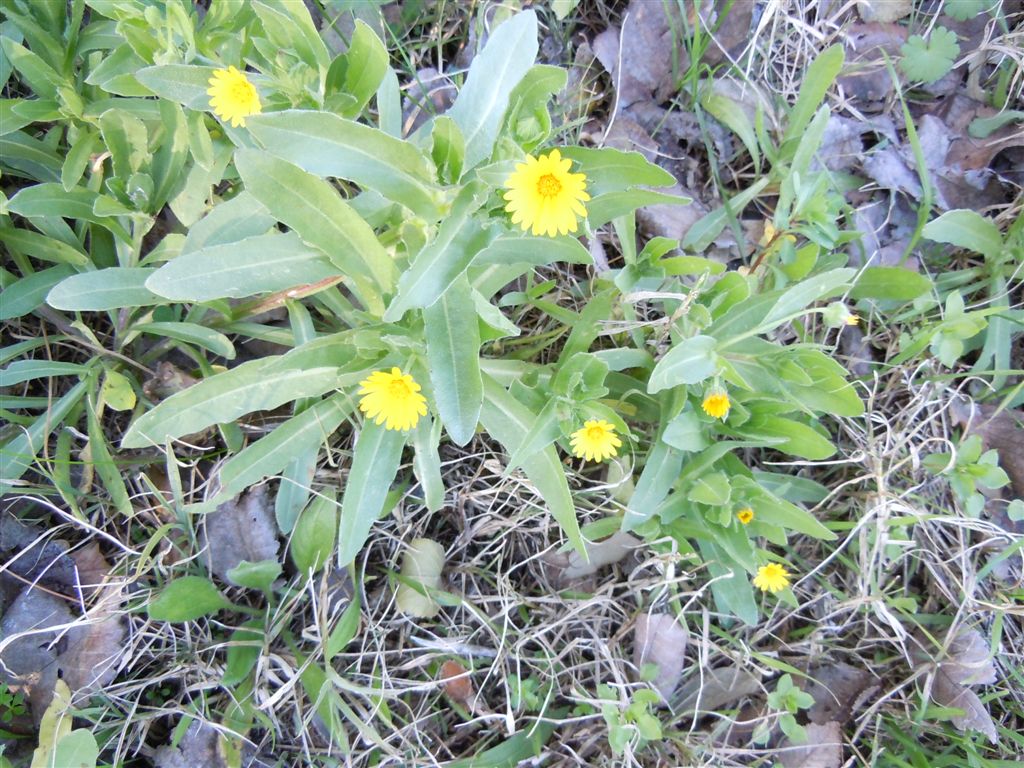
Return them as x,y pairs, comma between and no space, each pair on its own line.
384,250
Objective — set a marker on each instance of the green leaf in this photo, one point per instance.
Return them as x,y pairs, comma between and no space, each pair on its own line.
39,75
375,462
76,750
660,473
28,370
890,284
104,289
496,70
459,239
729,112
186,599
929,60
182,83
289,26
603,208
713,489
18,454
328,145
359,71
255,386
312,208
50,199
191,333
806,292
453,346
816,81
244,647
259,575
517,748
116,391
612,170
686,432
968,230
259,264
448,148
536,251
312,541
426,462
799,439
269,455
691,361
240,217
508,421
30,292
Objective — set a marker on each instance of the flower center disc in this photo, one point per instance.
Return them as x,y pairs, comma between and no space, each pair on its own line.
241,92
399,390
548,186
595,433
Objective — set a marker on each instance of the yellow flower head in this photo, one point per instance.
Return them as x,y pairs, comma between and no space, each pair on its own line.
771,578
597,441
392,399
544,196
716,404
851,319
232,97
745,515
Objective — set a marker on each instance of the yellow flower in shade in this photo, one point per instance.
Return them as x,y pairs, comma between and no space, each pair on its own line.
543,196
232,97
851,319
745,515
716,404
771,578
597,441
392,399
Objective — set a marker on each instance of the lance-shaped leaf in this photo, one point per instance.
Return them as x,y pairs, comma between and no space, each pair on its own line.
375,462
481,104
660,472
259,264
269,455
509,421
536,251
102,289
255,386
690,361
328,145
313,209
459,239
453,349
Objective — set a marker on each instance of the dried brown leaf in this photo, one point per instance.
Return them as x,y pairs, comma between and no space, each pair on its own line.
94,648
823,748
967,662
91,567
456,681
240,529
197,748
660,640
715,688
947,693
866,81
838,690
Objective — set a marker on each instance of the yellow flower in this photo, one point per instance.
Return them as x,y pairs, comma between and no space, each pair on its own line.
393,398
544,196
716,404
745,515
596,441
232,97
771,578
851,319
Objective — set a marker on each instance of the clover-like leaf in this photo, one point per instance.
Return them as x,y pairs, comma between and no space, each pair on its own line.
962,10
929,60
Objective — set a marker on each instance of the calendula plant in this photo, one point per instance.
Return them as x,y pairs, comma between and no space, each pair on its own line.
390,255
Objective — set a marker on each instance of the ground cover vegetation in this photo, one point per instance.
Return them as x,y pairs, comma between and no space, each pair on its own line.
476,384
